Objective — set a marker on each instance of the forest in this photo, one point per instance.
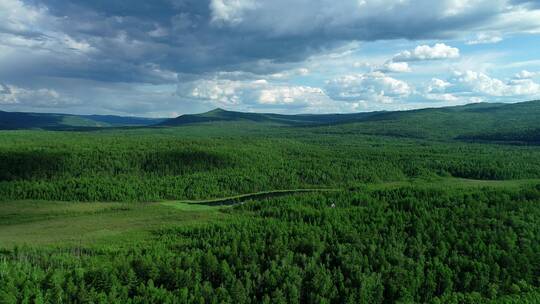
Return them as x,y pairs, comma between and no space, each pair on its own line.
422,244
396,213
198,162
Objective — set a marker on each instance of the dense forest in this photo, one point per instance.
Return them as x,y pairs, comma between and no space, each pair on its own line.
212,161
398,245
444,213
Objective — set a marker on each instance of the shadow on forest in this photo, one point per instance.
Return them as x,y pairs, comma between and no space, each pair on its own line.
178,162
30,165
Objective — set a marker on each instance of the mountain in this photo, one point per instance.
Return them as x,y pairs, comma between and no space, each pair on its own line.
220,115
476,122
517,122
492,122
20,120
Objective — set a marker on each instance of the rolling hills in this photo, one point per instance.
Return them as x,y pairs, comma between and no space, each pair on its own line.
516,123
485,122
221,115
20,120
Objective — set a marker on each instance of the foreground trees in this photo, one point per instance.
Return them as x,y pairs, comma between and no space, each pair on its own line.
396,245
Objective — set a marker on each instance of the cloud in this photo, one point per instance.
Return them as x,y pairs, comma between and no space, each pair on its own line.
375,86
435,90
526,75
4,89
471,86
290,73
247,94
342,94
13,95
230,12
116,40
485,38
528,3
425,52
441,97
395,67
114,47
438,85
17,17
481,83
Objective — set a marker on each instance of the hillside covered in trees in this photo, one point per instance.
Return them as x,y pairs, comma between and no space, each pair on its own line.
425,206
20,120
473,121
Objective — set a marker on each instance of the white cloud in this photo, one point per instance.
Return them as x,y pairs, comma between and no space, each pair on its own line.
243,94
471,86
230,11
426,52
291,73
523,87
526,75
19,17
302,95
518,19
485,38
457,7
446,97
435,90
13,95
481,83
375,86
31,27
344,94
395,67
437,85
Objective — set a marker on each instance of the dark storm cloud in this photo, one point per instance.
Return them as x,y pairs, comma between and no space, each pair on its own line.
127,40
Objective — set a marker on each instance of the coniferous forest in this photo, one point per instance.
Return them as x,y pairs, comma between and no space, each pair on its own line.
371,210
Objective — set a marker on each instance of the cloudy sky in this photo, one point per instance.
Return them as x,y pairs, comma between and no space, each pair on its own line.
170,57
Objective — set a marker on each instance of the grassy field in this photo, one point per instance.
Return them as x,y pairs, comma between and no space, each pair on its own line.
38,223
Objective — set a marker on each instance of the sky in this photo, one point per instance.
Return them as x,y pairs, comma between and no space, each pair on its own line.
165,58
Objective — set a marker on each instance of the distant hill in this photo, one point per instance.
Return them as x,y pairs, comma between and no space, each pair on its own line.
518,122
220,115
470,122
492,122
20,120
118,121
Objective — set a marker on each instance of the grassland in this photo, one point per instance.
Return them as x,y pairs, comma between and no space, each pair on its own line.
39,223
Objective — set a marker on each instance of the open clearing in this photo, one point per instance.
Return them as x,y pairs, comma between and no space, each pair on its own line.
104,224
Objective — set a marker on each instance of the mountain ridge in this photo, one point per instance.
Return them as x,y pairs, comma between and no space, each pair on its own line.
502,122
507,122
58,121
